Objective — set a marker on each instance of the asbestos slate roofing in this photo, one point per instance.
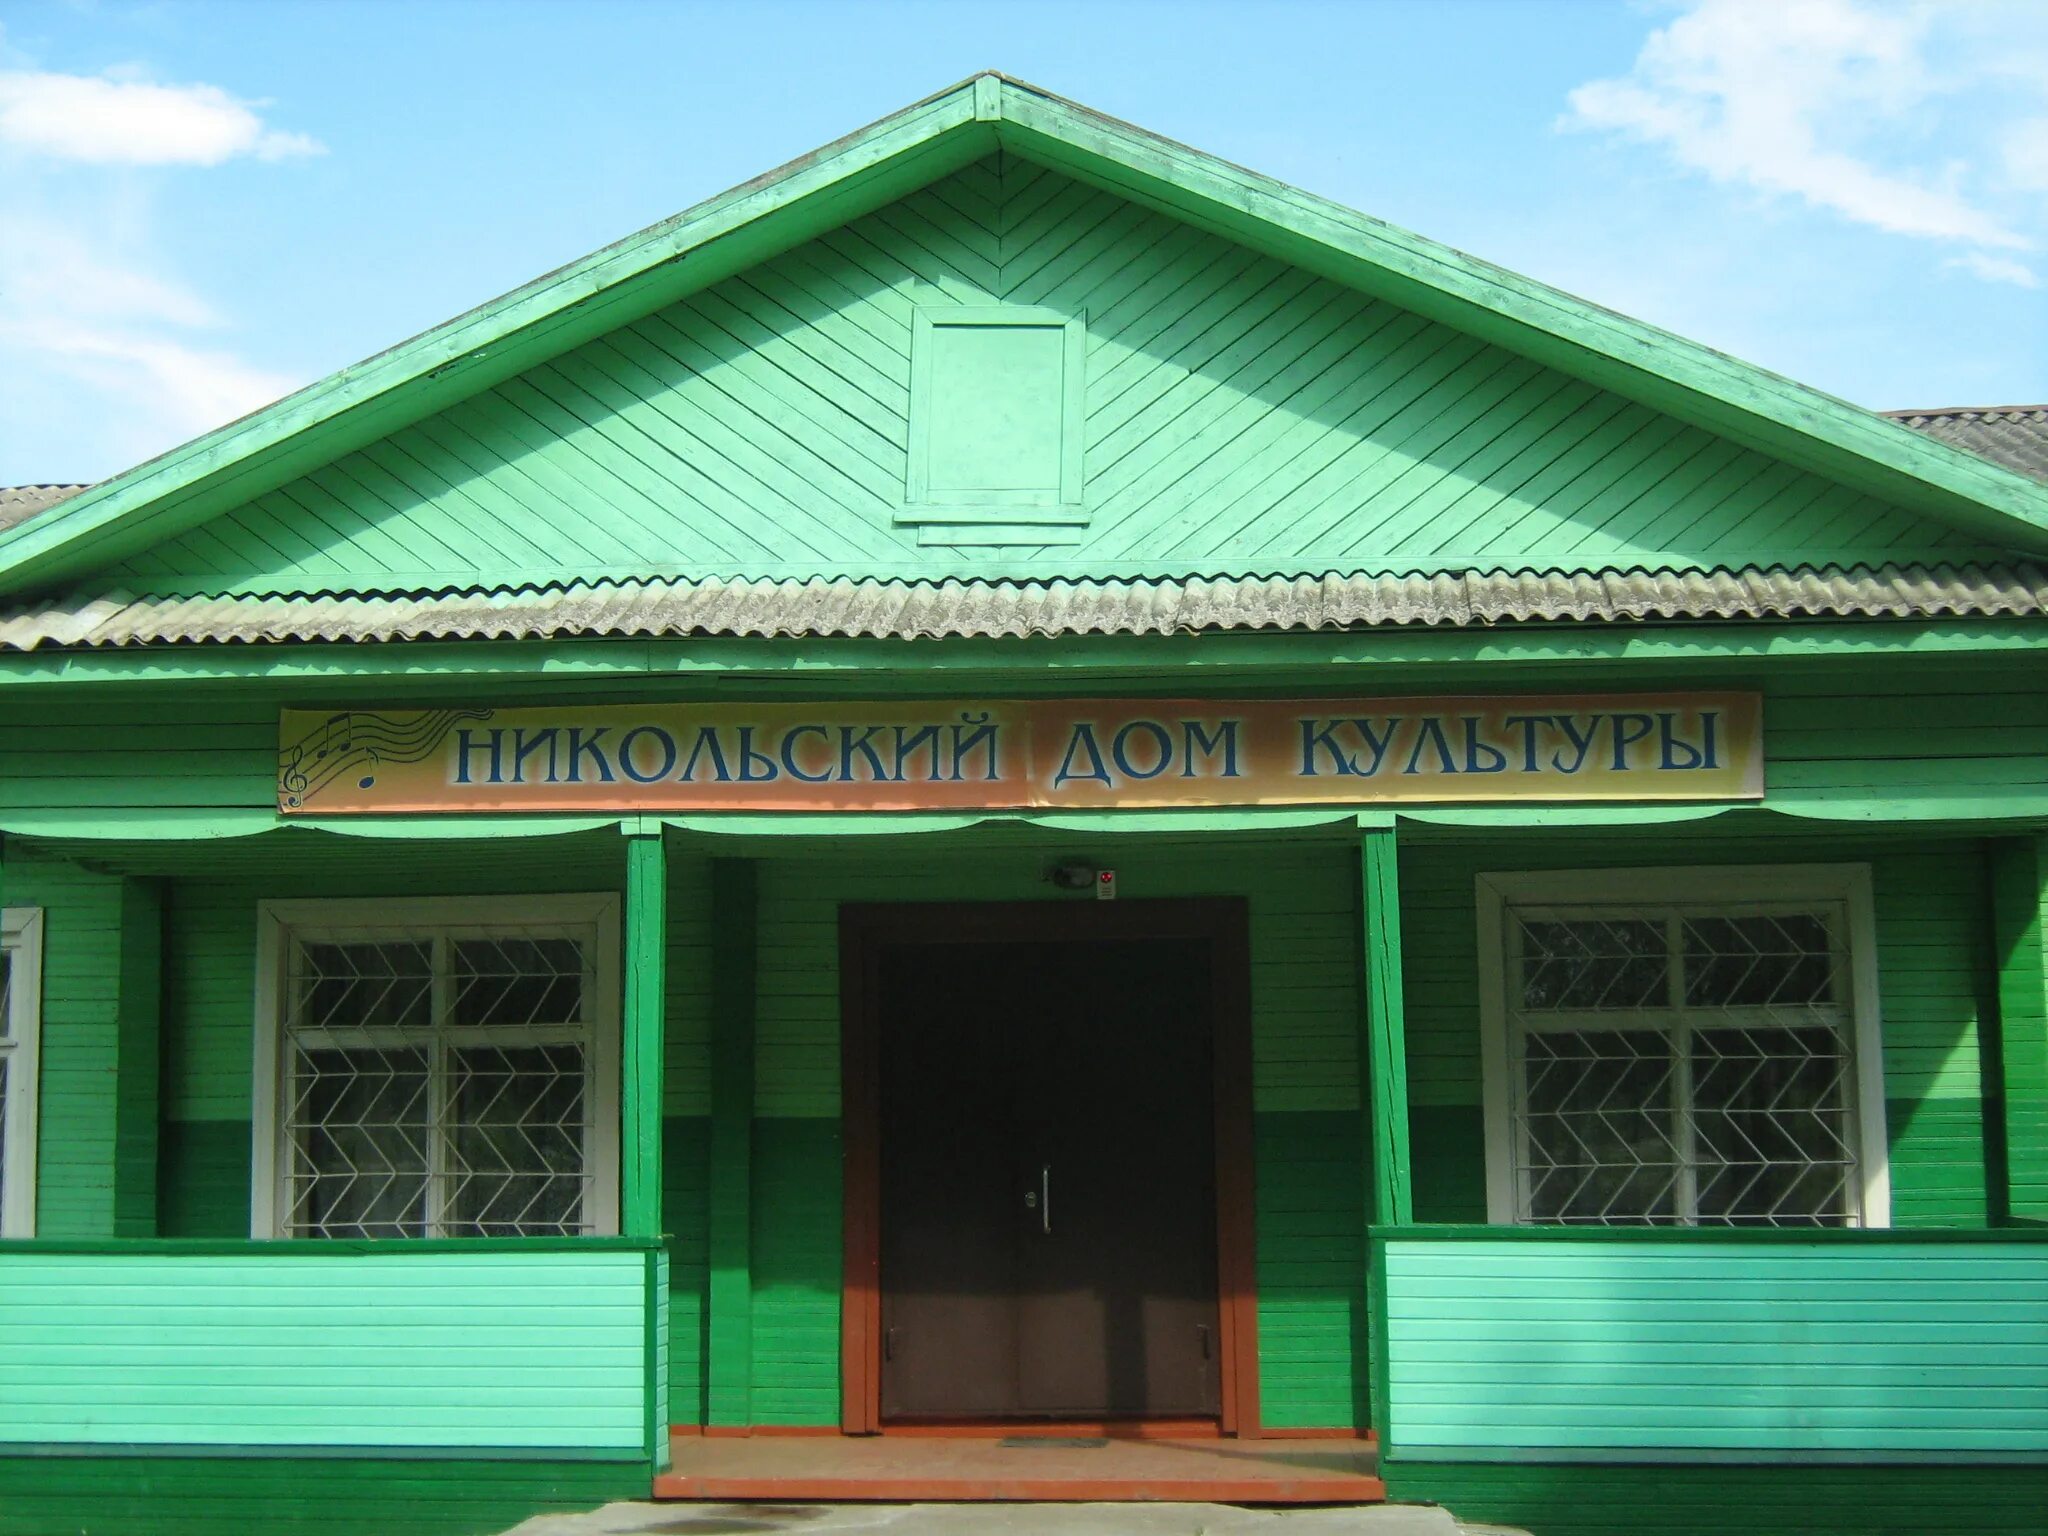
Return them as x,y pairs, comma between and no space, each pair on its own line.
880,608
952,609
19,503
2015,436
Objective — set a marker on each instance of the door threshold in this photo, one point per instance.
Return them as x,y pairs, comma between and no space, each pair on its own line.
1058,1429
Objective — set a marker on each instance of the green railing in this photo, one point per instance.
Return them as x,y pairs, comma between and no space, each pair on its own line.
457,1347
1499,1344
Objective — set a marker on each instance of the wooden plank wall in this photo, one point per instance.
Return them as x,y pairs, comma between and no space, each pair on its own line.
1985,731
304,1495
1978,732
442,1349
1240,413
1731,1499
1564,1348
98,1121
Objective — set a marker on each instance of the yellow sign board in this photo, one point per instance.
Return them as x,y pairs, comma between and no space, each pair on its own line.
966,754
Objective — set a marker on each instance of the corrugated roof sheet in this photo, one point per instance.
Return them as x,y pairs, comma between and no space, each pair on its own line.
19,503
2015,436
876,608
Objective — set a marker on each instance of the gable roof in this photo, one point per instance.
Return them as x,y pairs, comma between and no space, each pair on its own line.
887,608
2015,436
19,503
936,137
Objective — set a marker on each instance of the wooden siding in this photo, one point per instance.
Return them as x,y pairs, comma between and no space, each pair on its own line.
97,1129
1831,730
685,1193
322,1345
1546,1349
1240,414
2018,870
306,1496
1723,1500
1931,940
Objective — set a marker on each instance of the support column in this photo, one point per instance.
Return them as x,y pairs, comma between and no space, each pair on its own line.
138,1067
2016,1065
729,1309
646,939
1383,1035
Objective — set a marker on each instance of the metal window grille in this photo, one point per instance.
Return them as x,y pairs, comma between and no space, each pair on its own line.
1682,1065
439,1082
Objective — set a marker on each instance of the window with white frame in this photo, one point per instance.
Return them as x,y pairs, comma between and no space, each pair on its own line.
1683,1047
21,1008
438,1068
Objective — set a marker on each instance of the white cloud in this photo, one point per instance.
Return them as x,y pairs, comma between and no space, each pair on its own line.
2026,154
79,306
1805,99
171,389
105,120
1994,269
110,356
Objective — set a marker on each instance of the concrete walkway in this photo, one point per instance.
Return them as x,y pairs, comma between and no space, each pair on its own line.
680,1519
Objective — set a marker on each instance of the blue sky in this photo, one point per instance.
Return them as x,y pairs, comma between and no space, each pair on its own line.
205,205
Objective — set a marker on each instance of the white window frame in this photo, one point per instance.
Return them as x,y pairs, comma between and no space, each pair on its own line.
21,933
277,921
1688,886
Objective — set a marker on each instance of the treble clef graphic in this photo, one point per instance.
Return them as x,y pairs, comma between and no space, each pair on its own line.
357,741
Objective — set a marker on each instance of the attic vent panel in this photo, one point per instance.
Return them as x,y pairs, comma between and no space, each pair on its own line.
995,426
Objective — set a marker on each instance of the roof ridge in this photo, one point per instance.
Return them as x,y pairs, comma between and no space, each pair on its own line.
1967,410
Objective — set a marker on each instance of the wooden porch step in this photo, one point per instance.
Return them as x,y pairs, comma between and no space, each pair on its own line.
899,1469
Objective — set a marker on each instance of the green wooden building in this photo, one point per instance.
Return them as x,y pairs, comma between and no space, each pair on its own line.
1014,778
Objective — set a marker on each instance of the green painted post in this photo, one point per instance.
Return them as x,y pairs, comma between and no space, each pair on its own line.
138,1034
1383,1091
729,1311
1383,1044
2019,900
646,985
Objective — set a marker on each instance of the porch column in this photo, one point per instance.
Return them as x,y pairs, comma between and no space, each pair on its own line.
2016,1100
641,1059
729,1303
1383,1034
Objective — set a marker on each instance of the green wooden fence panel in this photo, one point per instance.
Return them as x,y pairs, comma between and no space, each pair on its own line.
1570,1347
497,1350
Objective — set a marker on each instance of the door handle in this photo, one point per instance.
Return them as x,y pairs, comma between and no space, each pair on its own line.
1040,1199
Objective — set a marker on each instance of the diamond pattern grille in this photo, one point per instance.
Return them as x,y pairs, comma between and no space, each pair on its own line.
1682,1066
439,1084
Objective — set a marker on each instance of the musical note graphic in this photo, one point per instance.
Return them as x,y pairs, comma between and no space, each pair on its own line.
354,739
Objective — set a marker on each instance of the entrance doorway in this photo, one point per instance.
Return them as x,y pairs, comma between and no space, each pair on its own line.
1047,1196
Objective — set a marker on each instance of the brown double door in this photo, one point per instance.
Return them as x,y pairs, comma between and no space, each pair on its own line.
1047,1172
